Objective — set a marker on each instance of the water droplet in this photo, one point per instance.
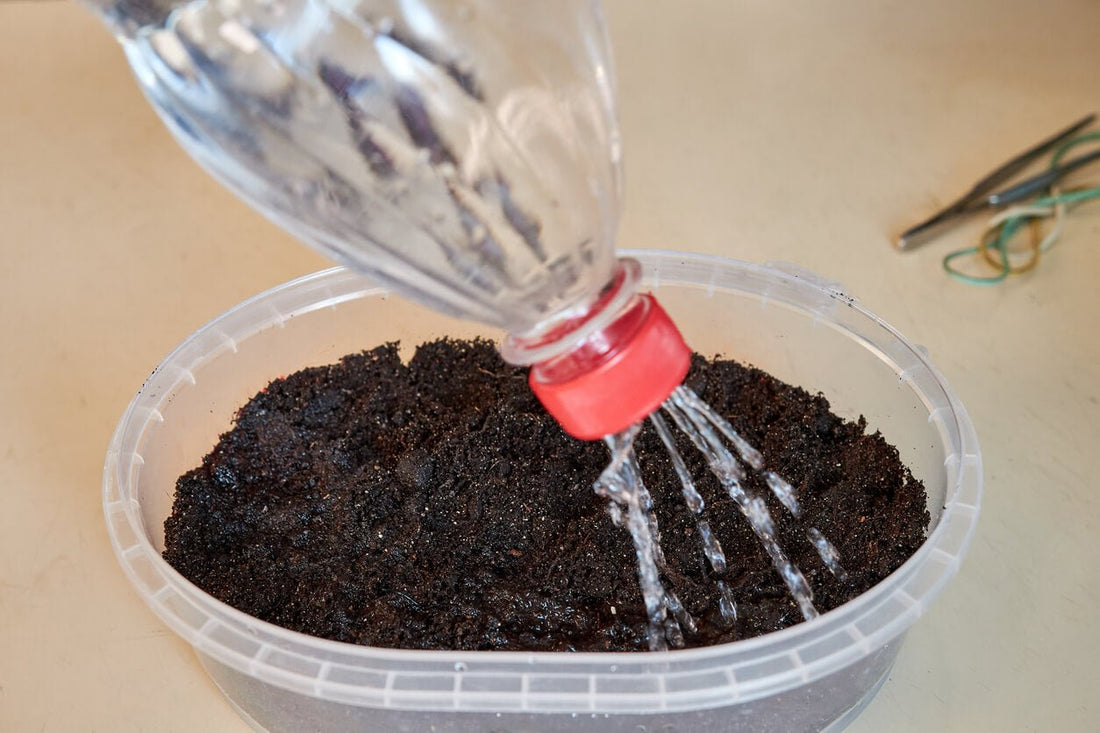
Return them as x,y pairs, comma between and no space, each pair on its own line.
711,547
829,554
726,605
681,614
783,491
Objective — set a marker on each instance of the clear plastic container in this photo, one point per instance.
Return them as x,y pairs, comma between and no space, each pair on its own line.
816,675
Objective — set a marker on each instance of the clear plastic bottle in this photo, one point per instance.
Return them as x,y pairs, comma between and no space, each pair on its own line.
465,152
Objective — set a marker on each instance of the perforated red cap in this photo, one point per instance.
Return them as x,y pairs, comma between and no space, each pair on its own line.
621,386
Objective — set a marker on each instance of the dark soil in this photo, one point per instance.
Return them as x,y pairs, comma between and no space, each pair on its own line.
435,505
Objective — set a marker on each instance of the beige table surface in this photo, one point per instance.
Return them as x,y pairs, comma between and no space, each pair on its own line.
800,131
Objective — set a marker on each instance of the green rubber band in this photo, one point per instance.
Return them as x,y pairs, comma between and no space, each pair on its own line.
970,279
1011,226
1068,145
998,244
1008,231
1070,197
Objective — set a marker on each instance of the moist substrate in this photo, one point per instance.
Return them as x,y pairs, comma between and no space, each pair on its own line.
433,504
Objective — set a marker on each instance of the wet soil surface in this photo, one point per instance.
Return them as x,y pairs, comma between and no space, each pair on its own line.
435,505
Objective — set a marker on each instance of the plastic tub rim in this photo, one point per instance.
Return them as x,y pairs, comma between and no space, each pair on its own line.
121,507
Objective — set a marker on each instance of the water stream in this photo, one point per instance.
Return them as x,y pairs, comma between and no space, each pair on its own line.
630,504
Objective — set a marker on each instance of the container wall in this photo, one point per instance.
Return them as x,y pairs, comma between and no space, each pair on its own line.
803,678
812,707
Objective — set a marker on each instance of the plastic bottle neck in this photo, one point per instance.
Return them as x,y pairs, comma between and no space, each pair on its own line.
609,366
571,329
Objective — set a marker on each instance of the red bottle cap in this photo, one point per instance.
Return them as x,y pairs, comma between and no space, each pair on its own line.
607,394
